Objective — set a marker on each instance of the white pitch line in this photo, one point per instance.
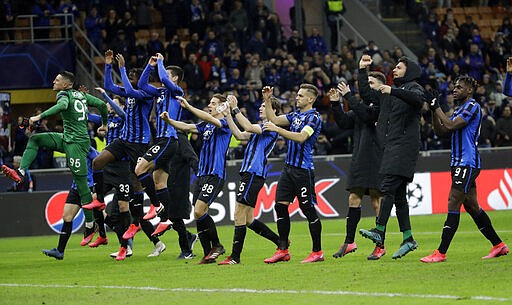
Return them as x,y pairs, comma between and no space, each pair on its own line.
273,291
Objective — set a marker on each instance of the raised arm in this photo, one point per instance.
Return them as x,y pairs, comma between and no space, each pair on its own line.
239,135
200,114
280,120
242,120
178,124
144,79
443,125
108,83
507,86
367,93
343,119
364,112
164,78
114,105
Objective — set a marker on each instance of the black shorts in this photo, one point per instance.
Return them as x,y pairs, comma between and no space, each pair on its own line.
116,176
207,188
296,182
74,197
121,149
161,153
463,177
249,188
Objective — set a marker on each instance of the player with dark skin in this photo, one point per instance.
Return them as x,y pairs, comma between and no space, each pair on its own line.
464,127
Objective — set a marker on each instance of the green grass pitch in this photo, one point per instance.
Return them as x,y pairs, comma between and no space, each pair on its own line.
90,276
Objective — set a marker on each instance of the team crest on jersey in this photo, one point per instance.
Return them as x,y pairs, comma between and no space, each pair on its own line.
207,134
112,125
130,102
296,124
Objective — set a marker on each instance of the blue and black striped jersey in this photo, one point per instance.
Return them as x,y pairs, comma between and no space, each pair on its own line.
257,151
301,154
139,104
464,141
212,159
166,99
115,125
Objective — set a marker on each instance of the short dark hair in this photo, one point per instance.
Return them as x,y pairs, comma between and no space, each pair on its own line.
378,75
468,81
404,60
68,76
175,70
220,97
310,88
120,99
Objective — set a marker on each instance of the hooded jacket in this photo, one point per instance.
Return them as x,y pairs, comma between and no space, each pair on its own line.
367,154
398,124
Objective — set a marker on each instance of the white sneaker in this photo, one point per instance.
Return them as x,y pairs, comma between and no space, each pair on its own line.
129,252
159,248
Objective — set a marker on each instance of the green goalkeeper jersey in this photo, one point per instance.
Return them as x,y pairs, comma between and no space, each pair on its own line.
72,105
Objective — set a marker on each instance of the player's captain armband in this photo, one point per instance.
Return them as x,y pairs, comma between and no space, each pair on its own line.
308,129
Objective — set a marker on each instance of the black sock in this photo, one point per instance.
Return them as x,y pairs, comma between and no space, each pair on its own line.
353,217
98,217
136,207
450,227
109,222
149,187
238,241
148,229
283,224
202,232
65,233
163,197
97,177
315,227
402,215
121,227
212,230
179,226
263,230
483,222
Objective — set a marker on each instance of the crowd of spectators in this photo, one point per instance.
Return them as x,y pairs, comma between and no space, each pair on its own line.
236,47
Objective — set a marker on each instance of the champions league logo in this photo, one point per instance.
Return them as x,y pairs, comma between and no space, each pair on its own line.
414,195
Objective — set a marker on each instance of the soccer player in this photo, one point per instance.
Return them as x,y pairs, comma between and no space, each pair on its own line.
179,204
507,86
157,157
212,173
362,178
252,173
298,176
74,142
464,127
116,176
131,144
398,128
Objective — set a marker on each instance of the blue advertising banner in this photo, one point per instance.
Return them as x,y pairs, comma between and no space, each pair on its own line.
34,65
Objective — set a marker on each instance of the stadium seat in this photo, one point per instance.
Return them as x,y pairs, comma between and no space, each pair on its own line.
471,10
495,24
142,34
458,10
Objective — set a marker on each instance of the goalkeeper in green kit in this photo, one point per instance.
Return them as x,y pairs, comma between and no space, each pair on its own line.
74,142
